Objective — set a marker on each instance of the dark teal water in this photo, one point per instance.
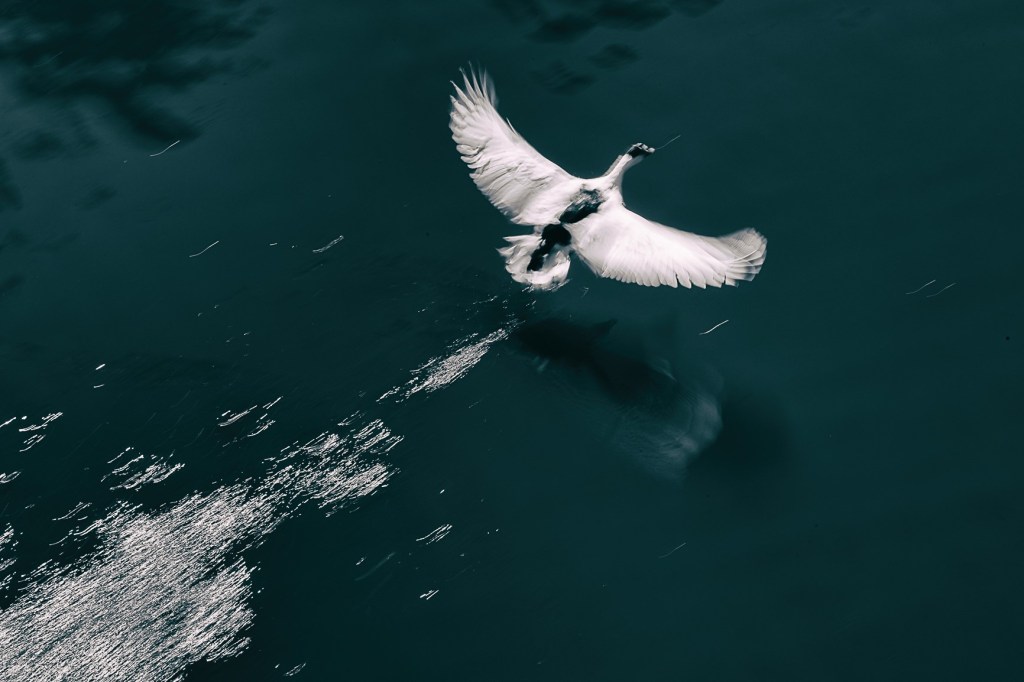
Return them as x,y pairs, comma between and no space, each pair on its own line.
229,452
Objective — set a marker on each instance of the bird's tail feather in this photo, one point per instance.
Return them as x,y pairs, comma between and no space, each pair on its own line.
552,274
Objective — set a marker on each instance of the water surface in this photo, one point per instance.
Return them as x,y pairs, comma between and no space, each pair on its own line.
270,406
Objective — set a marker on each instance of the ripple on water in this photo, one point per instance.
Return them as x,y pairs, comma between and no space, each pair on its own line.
169,588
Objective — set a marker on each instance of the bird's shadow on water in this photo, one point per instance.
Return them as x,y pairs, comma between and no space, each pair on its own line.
655,406
754,440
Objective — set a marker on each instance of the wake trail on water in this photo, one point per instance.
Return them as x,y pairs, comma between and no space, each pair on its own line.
164,589
169,588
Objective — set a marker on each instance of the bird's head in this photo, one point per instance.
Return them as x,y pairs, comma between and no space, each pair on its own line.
640,151
634,155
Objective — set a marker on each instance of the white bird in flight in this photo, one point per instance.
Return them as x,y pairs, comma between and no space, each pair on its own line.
583,216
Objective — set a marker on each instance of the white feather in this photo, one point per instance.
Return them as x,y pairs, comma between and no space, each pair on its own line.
614,242
621,245
517,257
512,174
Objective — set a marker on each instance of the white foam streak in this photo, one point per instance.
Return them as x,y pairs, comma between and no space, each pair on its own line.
439,372
436,535
37,431
7,545
170,587
160,594
333,242
235,417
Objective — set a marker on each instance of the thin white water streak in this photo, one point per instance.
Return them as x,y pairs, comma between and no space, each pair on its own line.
920,288
165,149
713,328
334,241
236,416
672,551
37,431
200,253
436,535
948,286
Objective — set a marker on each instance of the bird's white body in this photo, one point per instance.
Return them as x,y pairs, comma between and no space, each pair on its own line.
583,216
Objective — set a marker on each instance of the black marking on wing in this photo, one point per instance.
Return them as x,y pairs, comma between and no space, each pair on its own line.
585,203
550,237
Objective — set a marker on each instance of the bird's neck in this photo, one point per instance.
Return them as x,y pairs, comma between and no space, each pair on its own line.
618,168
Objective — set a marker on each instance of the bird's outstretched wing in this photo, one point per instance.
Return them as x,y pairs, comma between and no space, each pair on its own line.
511,173
622,245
